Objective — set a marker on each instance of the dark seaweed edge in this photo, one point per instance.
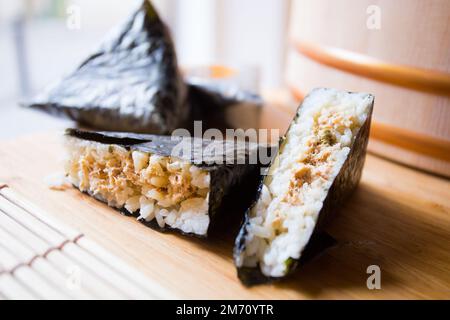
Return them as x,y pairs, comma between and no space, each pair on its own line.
160,144
348,177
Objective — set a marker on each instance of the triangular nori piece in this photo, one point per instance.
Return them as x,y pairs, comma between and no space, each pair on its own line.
131,81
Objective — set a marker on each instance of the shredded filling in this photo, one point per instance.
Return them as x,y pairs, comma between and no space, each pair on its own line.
169,190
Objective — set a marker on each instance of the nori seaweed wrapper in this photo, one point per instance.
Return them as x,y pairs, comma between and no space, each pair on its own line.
131,83
234,168
222,106
342,187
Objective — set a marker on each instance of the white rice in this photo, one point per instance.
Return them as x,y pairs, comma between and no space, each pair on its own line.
170,191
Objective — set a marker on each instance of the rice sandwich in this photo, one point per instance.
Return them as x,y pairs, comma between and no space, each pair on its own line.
131,82
148,176
319,163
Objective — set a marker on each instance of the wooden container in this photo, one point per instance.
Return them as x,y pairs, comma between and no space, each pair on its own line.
399,51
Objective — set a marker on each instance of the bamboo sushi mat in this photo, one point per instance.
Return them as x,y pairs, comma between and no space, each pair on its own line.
44,259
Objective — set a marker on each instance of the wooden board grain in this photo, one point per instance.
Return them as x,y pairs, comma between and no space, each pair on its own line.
398,219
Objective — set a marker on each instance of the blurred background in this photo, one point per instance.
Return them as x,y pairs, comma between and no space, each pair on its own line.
40,41
398,50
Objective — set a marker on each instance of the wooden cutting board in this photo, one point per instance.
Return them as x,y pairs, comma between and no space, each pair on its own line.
398,219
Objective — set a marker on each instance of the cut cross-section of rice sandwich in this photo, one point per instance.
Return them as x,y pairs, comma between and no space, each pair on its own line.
167,182
319,163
